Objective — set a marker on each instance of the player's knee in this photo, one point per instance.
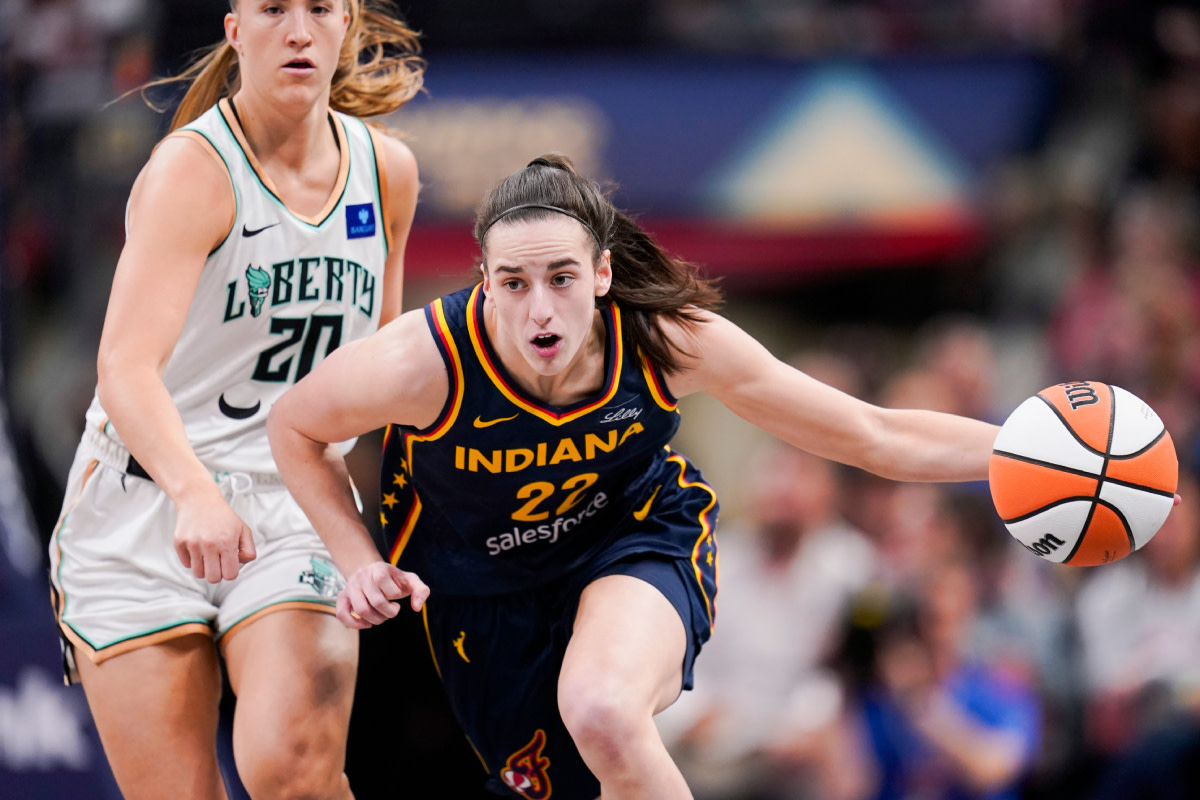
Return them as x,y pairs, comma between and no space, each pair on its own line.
602,724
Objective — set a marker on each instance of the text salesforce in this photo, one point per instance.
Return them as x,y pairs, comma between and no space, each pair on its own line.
548,532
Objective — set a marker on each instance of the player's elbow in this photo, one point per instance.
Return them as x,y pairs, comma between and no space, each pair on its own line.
120,374
879,449
280,425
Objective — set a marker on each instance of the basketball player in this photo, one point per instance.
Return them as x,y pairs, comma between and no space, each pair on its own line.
266,230
528,480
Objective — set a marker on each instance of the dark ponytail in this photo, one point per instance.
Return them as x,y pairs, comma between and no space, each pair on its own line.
648,284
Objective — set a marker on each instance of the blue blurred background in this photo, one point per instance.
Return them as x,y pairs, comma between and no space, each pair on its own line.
946,204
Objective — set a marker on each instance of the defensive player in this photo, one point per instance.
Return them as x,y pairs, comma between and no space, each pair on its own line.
529,480
266,230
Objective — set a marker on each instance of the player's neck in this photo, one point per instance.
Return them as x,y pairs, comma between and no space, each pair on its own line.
283,135
582,378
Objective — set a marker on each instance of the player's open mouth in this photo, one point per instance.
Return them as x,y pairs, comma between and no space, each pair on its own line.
546,344
302,65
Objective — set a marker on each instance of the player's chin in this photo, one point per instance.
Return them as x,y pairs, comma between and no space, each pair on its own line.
298,92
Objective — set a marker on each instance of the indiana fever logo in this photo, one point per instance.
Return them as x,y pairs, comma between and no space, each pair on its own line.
526,769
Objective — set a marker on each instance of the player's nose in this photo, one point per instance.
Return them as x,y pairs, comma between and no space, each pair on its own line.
298,33
541,310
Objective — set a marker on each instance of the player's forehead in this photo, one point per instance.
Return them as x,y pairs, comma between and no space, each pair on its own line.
538,243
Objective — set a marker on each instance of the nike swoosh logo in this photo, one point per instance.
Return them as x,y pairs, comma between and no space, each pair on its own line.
237,412
641,513
248,233
481,423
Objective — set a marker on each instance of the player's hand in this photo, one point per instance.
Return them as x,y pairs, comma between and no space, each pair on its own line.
211,539
371,593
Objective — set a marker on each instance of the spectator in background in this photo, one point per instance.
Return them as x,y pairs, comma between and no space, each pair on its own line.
958,352
1139,627
1132,319
764,721
942,725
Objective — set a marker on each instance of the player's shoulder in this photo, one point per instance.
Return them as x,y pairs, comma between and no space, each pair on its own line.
186,159
396,156
184,182
689,332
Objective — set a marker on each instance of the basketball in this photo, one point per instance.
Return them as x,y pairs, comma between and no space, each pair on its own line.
1083,473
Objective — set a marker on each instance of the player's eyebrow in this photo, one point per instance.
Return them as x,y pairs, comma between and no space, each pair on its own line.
558,264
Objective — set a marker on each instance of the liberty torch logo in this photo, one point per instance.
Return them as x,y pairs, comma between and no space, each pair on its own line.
259,282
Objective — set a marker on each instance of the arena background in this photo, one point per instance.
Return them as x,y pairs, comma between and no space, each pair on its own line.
864,177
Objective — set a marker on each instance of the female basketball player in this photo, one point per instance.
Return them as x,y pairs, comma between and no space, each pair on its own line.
528,480
266,230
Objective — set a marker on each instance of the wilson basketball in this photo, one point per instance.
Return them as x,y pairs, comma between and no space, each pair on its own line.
1083,473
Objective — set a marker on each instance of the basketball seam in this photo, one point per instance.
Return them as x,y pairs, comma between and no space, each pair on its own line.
1124,523
1121,517
1144,450
1071,430
1039,463
1112,431
1112,424
1060,501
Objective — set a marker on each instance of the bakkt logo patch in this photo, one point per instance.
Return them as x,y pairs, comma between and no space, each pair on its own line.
360,221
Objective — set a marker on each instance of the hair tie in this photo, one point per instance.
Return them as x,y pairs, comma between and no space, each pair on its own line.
555,209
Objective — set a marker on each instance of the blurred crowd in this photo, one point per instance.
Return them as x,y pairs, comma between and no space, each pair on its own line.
874,640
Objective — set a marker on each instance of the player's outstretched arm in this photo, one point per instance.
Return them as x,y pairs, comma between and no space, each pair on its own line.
910,445
393,376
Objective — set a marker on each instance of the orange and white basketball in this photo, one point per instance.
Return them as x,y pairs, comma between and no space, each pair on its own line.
1083,473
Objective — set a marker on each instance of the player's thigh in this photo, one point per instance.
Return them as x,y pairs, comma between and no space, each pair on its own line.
628,644
293,672
156,709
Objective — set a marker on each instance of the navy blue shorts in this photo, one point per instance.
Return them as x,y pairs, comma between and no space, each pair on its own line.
499,658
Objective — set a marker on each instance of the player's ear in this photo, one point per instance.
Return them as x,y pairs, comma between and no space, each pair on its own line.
604,274
486,282
231,32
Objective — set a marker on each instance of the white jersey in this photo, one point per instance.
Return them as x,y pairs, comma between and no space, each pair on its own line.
280,293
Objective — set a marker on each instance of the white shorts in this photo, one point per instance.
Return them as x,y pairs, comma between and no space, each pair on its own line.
118,583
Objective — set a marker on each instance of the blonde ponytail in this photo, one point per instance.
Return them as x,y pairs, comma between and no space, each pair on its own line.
378,68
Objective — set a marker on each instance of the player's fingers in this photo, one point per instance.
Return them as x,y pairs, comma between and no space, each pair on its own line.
346,615
185,556
211,566
366,613
1178,499
379,603
230,564
246,550
419,597
198,565
413,587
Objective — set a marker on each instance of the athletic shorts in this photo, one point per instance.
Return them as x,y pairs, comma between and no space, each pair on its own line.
500,656
118,584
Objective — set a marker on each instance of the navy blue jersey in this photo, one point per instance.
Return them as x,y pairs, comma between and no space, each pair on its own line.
504,493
